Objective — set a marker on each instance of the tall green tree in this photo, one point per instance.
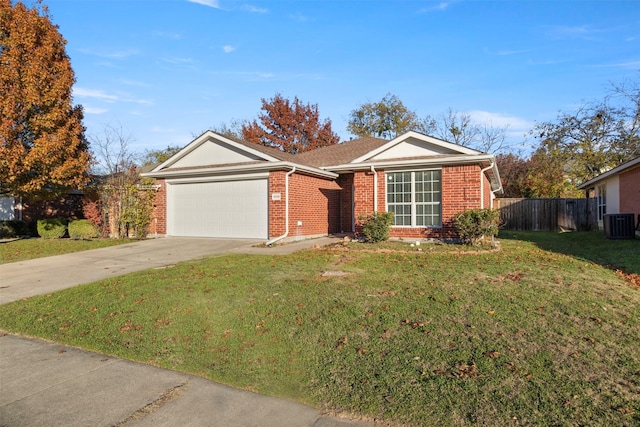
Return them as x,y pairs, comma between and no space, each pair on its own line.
154,157
596,137
42,144
292,127
386,119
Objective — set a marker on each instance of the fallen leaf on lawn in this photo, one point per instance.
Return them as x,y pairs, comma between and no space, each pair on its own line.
491,312
492,354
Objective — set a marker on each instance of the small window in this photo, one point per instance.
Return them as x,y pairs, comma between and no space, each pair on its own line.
415,198
601,195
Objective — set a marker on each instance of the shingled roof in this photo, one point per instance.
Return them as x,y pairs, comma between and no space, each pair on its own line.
339,154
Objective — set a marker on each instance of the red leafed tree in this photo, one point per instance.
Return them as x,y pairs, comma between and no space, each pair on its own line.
290,126
42,144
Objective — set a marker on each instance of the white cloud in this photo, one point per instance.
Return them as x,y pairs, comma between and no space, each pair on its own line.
102,96
228,48
94,93
255,9
116,54
94,110
507,52
583,32
632,65
168,35
160,129
437,7
178,61
298,17
211,3
499,120
133,83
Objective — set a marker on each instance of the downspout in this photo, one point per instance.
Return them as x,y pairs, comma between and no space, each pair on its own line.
375,189
482,183
286,209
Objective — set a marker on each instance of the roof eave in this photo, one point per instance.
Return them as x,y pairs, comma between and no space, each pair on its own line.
267,166
483,159
618,169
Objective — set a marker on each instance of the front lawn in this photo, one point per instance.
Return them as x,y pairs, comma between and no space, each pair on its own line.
533,334
25,249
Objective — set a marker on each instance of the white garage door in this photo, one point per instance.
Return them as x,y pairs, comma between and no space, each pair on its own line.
236,209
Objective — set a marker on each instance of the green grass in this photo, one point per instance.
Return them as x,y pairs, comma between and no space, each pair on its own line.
538,333
25,249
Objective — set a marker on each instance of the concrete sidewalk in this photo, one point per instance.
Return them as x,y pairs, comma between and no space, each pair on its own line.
44,383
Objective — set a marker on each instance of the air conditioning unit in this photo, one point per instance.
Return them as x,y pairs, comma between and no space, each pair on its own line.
619,226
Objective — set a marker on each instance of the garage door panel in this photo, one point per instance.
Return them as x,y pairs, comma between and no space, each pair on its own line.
237,209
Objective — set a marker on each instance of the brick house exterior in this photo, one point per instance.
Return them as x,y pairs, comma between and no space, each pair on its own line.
224,187
617,191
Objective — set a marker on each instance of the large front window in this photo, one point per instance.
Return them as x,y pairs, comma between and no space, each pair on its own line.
415,198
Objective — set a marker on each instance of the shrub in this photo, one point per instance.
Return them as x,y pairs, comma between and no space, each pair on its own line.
10,229
82,229
52,228
375,226
474,225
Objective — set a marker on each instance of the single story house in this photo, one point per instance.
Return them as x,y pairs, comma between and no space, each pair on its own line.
219,186
617,191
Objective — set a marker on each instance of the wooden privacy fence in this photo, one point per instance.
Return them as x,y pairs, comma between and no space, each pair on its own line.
547,214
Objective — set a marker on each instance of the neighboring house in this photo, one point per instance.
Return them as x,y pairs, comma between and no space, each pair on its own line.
224,187
616,191
68,206
9,209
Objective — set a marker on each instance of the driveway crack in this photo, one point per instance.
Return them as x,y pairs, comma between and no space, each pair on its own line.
152,407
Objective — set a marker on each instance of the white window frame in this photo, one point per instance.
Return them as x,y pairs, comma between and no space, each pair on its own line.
601,195
412,202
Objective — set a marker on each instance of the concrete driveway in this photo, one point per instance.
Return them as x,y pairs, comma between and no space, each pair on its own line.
45,275
43,383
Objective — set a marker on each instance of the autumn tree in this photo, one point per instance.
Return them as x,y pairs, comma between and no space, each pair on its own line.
386,119
514,171
292,127
125,199
596,137
42,144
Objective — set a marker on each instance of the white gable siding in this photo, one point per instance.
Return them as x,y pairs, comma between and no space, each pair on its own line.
613,195
412,148
214,153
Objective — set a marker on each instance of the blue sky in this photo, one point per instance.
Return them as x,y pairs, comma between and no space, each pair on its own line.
165,71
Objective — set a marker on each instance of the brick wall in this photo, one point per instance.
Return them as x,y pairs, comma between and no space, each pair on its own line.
460,191
67,207
488,194
630,191
346,203
158,225
314,205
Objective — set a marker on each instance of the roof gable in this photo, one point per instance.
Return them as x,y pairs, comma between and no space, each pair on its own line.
212,149
412,145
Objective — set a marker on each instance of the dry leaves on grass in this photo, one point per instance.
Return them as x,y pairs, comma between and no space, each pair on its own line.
631,278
